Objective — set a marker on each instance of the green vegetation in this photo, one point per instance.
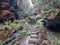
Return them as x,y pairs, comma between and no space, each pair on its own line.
32,21
1,43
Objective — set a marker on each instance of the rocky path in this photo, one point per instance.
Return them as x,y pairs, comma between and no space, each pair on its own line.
33,39
30,40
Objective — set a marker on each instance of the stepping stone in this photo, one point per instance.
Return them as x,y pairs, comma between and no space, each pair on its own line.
33,32
34,36
31,44
33,41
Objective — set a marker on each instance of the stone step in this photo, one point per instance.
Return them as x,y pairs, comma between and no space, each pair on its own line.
31,44
33,40
33,32
33,36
